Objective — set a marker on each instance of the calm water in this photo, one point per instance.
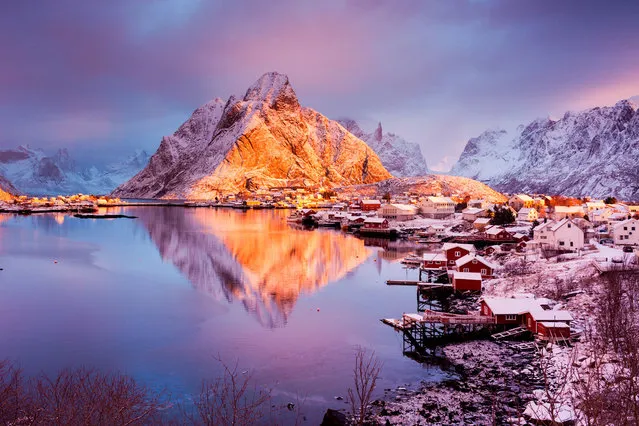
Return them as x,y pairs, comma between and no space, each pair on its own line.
159,296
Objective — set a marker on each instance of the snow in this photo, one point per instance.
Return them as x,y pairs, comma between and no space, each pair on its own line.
590,153
511,305
470,257
475,276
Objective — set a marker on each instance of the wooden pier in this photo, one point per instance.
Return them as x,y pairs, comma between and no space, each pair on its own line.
509,333
422,332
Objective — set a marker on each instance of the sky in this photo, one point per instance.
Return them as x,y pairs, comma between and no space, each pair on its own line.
105,78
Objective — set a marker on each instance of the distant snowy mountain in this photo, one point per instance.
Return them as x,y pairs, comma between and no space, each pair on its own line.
400,157
589,153
32,172
263,140
7,190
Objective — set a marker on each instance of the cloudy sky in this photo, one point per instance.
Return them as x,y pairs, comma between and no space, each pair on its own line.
105,78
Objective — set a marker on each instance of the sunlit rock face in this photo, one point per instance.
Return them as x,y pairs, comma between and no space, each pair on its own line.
252,258
6,189
263,140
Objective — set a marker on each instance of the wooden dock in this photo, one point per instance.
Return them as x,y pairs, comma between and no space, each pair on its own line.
509,333
424,285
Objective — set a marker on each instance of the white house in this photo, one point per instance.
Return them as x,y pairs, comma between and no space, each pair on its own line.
527,215
397,211
563,212
600,216
438,207
471,214
562,235
519,201
593,205
626,232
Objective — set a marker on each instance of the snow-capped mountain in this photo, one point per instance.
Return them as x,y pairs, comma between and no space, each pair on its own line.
400,157
7,190
589,153
33,172
263,140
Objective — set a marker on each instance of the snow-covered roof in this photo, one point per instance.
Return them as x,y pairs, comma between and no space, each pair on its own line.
525,211
569,209
495,230
375,220
519,235
470,257
471,210
474,276
440,200
550,315
554,324
433,257
404,207
511,305
371,202
482,220
468,247
523,197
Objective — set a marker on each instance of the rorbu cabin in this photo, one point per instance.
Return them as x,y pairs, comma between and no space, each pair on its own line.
434,261
477,264
370,205
454,251
467,281
375,223
533,314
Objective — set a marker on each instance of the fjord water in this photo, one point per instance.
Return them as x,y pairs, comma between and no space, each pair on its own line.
160,296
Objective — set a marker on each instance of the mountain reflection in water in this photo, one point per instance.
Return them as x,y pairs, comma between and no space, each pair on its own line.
253,257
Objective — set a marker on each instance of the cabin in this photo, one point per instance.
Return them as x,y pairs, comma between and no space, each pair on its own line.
434,261
454,251
355,220
473,263
399,212
466,281
471,214
370,205
534,314
375,223
600,216
497,233
593,205
562,235
527,215
481,223
520,201
626,232
438,207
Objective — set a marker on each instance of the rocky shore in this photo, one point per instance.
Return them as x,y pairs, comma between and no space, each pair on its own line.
492,384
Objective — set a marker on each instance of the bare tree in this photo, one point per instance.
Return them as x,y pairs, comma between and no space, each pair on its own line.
365,375
231,400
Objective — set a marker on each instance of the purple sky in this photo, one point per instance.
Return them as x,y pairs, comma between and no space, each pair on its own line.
105,78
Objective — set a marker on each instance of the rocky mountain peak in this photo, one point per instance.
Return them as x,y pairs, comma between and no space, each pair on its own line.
378,132
273,89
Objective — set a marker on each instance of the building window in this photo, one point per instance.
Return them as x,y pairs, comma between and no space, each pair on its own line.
561,243
457,253
483,271
465,270
571,244
511,317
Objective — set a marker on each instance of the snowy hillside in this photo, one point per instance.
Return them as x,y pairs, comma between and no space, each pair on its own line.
400,157
32,172
262,140
590,153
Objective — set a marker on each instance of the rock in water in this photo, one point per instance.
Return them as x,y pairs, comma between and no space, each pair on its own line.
264,140
333,418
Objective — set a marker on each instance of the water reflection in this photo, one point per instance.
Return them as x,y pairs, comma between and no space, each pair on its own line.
251,257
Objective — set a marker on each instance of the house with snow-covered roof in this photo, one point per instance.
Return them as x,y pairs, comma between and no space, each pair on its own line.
470,214
527,215
399,212
519,201
477,264
437,207
562,235
626,232
563,212
454,251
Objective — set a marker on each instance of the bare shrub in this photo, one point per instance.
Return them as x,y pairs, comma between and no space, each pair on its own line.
231,400
365,375
14,401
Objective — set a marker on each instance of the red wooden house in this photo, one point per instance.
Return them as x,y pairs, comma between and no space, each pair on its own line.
466,281
477,264
370,205
533,314
454,251
375,223
434,261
